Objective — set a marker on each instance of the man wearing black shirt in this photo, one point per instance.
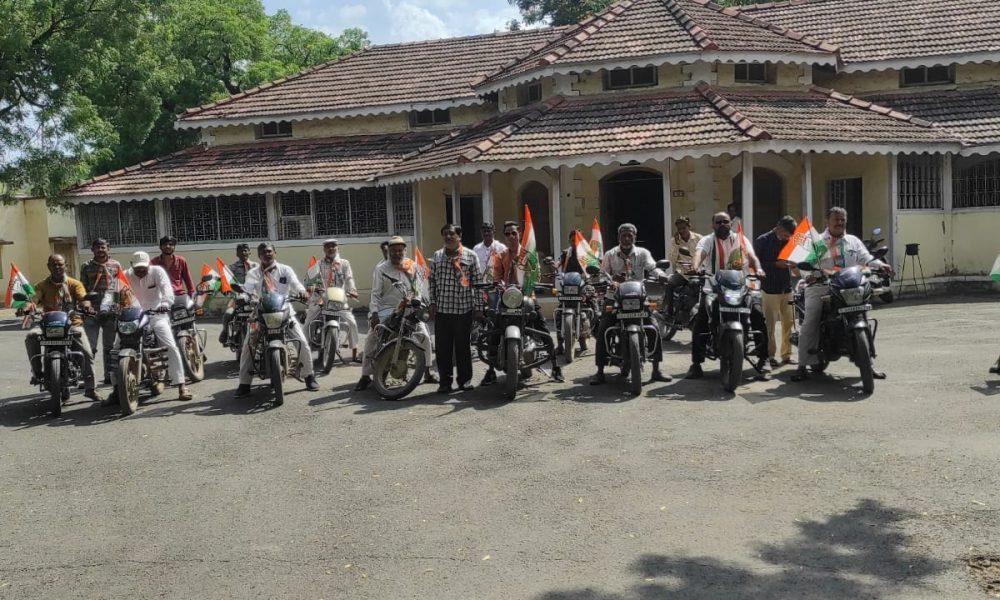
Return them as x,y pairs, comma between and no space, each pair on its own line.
777,288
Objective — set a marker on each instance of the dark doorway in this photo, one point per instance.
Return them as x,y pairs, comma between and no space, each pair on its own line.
470,219
636,197
846,193
536,196
768,198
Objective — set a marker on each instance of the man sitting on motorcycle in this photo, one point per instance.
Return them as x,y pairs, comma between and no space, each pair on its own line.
273,276
386,296
624,262
726,250
506,265
334,271
152,290
239,269
57,292
569,262
845,250
684,238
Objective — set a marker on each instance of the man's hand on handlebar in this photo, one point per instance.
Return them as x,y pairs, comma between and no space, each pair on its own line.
373,320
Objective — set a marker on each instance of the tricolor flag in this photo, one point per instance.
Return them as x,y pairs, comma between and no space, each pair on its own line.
312,272
226,276
744,253
805,245
18,284
121,282
584,253
419,257
529,271
210,281
596,240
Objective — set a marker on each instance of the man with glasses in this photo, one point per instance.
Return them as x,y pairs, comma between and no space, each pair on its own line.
97,276
487,248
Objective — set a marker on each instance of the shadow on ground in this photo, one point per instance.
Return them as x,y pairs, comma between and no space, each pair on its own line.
859,553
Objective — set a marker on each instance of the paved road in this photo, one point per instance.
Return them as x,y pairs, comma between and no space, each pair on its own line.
783,491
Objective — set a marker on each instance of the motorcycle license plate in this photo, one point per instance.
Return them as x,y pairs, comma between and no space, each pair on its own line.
330,313
859,308
183,321
511,311
632,315
735,309
571,298
56,342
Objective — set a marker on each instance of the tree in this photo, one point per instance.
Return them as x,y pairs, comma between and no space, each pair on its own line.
558,12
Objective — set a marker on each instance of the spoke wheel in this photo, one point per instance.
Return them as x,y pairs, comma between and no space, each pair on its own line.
394,379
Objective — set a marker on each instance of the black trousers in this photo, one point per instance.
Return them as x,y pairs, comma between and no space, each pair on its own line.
701,325
453,338
601,350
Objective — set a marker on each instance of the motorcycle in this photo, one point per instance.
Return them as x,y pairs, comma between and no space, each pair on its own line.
521,348
846,330
138,360
400,362
576,314
680,315
881,282
728,298
275,353
242,312
62,366
325,333
190,339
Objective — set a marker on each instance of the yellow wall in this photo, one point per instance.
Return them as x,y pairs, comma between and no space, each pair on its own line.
975,244
887,80
29,224
785,76
874,171
670,76
933,231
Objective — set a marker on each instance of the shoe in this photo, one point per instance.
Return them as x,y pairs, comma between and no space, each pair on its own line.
111,400
598,379
183,394
363,383
773,362
559,349
93,396
430,378
311,384
35,380
764,374
583,345
788,360
243,390
444,388
658,376
107,379
489,379
878,374
557,374
465,387
695,372
223,338
995,369
801,374
356,359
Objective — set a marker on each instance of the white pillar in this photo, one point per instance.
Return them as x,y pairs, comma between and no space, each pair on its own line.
456,203
807,186
893,207
555,209
947,203
668,214
162,219
390,219
487,198
418,234
271,204
748,195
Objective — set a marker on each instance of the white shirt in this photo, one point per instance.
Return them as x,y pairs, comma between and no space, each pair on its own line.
336,273
732,253
636,264
282,278
483,253
846,252
386,295
152,291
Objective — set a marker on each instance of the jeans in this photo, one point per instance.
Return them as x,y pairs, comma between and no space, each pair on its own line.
454,338
94,326
702,324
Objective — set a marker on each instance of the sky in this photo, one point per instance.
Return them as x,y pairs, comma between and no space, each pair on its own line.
388,21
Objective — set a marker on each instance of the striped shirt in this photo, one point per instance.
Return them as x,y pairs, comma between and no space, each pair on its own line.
448,293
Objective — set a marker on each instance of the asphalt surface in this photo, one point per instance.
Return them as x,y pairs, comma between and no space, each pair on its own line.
782,491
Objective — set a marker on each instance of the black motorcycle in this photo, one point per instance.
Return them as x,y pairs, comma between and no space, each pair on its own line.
576,314
139,361
881,283
679,315
237,328
275,352
728,299
845,330
190,340
62,365
400,363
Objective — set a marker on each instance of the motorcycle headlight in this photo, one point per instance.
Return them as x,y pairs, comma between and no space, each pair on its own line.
128,327
55,332
512,298
274,320
853,296
571,290
180,313
733,297
631,304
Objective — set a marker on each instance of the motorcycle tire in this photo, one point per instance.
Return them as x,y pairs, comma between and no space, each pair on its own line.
820,367
863,358
53,383
194,364
887,297
277,376
127,386
382,366
328,353
731,361
634,365
512,368
569,339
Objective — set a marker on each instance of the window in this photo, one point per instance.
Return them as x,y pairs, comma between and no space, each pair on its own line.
975,181
753,73
927,75
296,215
428,118
402,209
274,129
633,77
919,177
529,94
358,212
200,220
121,223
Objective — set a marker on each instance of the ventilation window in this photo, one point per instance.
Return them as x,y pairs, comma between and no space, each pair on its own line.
927,75
274,129
634,77
429,118
753,73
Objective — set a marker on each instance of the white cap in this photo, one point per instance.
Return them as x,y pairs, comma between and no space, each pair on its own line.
140,259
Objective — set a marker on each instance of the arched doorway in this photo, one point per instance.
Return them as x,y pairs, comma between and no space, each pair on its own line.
634,196
536,196
768,198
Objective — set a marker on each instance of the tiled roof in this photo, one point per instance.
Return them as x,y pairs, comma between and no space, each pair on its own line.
380,76
974,113
268,164
609,125
876,30
655,29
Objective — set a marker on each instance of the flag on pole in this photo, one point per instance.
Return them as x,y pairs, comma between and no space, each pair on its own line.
226,276
312,272
805,245
530,270
121,282
744,253
584,253
18,284
596,240
421,262
210,281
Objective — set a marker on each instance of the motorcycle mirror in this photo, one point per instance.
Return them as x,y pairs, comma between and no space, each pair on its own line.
593,270
804,266
237,287
19,297
877,231
663,265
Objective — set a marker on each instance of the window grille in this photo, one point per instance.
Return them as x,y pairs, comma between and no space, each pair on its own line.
295,208
752,73
919,178
937,75
976,181
333,213
194,220
273,129
619,79
368,211
402,209
138,223
837,192
121,223
427,118
529,93
200,220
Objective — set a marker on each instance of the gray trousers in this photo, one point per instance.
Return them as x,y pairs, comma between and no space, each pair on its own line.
94,327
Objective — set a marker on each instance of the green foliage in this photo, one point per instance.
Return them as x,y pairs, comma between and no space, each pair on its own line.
88,86
558,12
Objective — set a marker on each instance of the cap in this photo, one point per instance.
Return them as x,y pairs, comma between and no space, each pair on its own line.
396,241
140,259
331,242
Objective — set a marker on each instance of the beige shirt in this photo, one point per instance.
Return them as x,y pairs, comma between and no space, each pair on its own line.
676,243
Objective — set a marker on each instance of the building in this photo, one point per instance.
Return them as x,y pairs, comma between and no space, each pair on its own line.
649,110
29,232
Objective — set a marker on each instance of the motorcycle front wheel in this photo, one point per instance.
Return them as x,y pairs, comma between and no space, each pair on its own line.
731,361
277,375
127,386
53,382
569,339
863,358
194,364
634,364
329,351
395,379
512,368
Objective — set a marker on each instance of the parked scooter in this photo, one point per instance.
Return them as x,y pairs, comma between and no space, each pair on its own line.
576,314
881,283
62,365
138,361
400,362
325,333
275,353
728,297
190,339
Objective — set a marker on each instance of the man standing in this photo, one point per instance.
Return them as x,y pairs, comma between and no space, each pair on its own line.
175,266
97,276
624,262
725,250
487,248
62,293
239,269
392,281
684,238
845,251
334,272
273,276
455,303
777,288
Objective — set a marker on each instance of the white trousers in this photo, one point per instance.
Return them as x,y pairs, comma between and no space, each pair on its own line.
346,318
368,361
305,353
809,333
160,324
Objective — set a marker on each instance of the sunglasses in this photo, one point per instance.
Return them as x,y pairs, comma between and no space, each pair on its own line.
722,222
